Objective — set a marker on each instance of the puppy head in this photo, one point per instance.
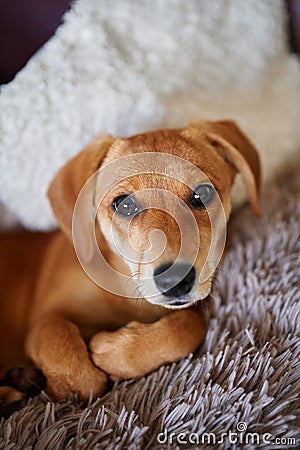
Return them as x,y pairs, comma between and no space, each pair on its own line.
161,201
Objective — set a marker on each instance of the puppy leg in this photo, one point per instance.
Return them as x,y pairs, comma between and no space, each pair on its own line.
17,384
57,348
10,400
139,348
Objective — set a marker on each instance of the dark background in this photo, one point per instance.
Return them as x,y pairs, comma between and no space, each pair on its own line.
25,25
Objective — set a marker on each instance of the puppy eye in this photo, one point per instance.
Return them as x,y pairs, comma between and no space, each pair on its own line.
126,206
202,196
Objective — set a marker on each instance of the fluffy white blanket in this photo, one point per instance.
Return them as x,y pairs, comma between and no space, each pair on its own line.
128,66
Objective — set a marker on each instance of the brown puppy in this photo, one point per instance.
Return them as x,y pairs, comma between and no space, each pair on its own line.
50,308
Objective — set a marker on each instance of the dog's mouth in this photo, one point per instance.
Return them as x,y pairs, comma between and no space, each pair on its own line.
178,303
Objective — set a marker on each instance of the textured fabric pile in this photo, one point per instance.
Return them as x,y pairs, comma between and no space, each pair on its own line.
247,374
128,66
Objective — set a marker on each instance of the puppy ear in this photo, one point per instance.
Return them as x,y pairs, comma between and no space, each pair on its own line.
233,145
67,184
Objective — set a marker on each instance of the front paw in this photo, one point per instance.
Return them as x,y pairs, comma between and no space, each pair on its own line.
117,352
135,350
81,382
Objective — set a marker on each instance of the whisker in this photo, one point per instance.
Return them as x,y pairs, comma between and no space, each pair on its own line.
140,298
133,277
137,294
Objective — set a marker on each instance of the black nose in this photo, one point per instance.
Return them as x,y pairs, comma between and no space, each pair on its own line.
174,280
